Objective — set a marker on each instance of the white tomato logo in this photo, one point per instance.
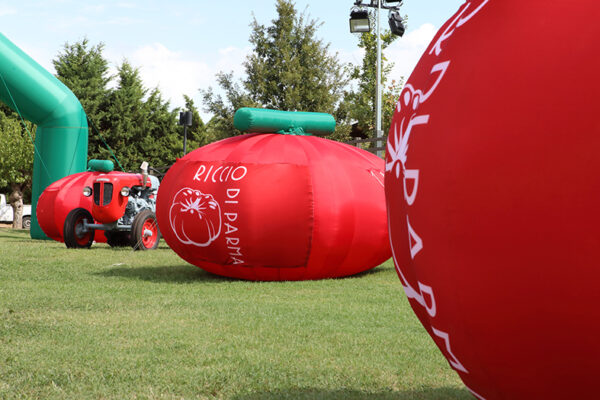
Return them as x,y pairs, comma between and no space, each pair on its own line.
195,217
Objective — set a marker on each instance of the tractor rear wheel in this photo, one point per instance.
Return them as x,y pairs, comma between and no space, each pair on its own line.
74,233
118,238
144,231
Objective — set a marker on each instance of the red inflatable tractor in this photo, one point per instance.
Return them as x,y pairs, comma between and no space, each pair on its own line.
123,206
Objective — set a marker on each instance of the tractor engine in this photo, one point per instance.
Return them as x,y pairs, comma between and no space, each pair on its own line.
140,198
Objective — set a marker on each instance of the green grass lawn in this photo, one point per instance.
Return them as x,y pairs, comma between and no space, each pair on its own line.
118,324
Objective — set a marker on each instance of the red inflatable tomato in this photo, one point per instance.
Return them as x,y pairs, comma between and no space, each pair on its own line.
276,207
492,191
58,199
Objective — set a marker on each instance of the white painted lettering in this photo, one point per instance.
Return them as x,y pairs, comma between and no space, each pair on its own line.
412,175
235,251
414,241
230,228
215,173
241,173
232,217
232,241
233,193
208,173
199,173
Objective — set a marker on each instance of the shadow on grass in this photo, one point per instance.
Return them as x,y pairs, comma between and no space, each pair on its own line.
372,271
186,274
17,235
172,274
311,394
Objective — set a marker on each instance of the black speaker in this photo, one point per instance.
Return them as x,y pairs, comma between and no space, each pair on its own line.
185,118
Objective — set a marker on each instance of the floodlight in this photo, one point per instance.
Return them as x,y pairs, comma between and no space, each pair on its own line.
396,24
359,21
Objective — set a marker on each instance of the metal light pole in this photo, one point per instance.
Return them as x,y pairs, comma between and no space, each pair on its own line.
378,129
359,23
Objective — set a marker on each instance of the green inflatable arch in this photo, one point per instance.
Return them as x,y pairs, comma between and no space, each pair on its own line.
62,132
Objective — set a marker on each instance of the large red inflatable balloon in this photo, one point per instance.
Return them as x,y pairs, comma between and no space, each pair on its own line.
276,207
492,189
62,196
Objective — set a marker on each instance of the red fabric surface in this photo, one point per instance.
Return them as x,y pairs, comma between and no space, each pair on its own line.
492,196
276,207
62,196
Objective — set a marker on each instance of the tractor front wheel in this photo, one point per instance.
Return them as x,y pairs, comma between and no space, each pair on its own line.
144,231
74,233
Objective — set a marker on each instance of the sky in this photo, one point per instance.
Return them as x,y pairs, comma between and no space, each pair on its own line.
180,45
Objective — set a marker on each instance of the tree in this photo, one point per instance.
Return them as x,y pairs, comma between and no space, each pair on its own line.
289,69
16,159
124,116
221,124
135,122
360,103
160,142
197,134
138,124
84,70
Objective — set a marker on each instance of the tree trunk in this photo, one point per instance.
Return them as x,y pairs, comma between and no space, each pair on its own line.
16,201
